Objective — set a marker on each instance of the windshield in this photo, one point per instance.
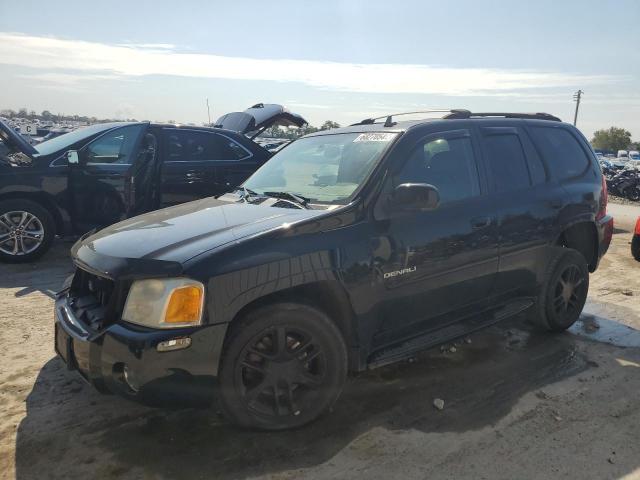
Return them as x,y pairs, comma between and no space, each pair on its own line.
324,169
58,143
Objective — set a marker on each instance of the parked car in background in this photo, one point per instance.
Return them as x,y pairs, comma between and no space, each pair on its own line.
53,133
634,155
350,249
98,175
623,154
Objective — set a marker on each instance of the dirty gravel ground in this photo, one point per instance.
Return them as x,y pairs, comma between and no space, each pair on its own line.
518,404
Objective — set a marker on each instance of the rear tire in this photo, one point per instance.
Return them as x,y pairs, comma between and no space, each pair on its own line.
564,291
283,366
26,230
635,247
632,193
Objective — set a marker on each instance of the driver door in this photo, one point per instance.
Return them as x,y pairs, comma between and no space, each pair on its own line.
101,182
436,264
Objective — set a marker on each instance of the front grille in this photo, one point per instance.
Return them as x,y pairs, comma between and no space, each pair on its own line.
91,298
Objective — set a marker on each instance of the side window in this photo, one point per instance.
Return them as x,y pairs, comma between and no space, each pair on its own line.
229,149
114,147
561,150
507,162
446,163
194,146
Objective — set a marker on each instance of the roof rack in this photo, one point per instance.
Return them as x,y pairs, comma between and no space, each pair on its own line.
389,117
459,114
533,116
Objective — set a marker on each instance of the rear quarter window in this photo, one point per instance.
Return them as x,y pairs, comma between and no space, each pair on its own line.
4,149
561,150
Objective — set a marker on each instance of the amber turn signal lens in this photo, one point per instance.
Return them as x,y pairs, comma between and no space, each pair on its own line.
185,305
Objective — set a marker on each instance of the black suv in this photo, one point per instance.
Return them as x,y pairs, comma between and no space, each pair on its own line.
101,174
349,249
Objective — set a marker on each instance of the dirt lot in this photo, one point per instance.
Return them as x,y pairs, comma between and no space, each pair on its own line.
518,404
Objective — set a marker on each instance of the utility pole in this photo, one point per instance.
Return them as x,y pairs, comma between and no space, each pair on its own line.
208,112
576,98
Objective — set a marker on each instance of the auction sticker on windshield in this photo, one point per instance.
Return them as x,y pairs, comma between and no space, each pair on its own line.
374,137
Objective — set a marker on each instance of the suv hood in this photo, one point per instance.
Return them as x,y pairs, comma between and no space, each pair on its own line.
177,234
258,118
15,140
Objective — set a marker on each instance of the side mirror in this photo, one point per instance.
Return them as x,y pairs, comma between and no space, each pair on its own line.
416,196
72,157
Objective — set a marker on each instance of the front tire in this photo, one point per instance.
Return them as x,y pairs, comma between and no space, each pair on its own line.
26,230
283,366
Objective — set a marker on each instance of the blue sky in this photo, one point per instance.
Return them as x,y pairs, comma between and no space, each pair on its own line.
339,60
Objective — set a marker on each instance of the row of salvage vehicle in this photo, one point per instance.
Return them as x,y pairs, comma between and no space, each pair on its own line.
98,175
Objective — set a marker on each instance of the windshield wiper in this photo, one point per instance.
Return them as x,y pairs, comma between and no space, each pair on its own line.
293,197
246,194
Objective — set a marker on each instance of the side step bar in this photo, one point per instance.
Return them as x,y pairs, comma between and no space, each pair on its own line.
401,350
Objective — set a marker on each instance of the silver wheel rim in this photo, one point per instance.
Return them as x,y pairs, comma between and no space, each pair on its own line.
21,233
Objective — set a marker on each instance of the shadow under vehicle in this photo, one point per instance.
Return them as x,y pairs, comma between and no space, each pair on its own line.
103,173
350,249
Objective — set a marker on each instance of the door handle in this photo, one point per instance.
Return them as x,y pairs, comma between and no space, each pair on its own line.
480,222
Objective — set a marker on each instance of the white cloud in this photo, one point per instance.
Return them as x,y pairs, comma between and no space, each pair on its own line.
150,46
51,54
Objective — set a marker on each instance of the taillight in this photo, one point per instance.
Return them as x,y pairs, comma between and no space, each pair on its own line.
603,199
636,231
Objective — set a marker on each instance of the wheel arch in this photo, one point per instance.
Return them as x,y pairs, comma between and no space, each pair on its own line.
583,237
328,296
44,200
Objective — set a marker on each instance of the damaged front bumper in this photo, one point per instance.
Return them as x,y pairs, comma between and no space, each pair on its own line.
125,359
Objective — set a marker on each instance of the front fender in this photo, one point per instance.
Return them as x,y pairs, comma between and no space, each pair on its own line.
230,292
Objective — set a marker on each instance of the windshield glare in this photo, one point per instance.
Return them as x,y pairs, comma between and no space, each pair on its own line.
58,143
324,169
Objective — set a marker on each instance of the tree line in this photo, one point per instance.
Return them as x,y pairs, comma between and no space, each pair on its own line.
47,116
293,133
613,139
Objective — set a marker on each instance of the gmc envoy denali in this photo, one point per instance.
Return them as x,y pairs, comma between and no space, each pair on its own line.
349,249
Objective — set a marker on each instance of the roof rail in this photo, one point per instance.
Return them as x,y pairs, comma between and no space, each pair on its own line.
389,118
459,114
534,116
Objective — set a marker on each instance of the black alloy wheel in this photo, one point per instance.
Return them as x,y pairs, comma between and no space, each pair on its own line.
569,291
283,366
281,371
564,290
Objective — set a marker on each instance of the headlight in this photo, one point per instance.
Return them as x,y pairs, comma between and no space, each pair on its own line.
165,303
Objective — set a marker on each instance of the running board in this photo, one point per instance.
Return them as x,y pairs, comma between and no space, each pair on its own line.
401,350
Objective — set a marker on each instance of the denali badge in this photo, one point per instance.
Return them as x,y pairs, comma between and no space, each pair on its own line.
400,272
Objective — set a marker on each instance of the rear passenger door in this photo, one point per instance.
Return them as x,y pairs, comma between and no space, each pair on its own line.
526,205
199,163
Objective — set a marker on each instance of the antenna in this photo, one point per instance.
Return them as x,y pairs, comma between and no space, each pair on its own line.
208,112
